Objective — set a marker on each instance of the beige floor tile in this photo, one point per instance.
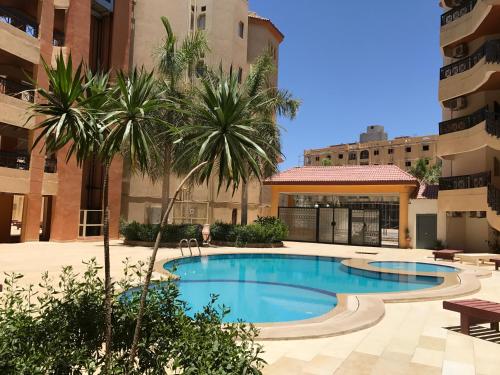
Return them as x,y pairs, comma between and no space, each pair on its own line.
418,369
457,368
433,343
358,364
285,366
428,357
322,365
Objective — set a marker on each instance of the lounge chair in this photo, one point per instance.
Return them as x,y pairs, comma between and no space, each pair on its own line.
446,254
475,311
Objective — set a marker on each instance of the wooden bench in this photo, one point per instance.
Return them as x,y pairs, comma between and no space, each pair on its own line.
475,311
496,262
446,254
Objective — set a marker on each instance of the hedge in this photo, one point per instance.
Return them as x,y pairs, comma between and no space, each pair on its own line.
264,230
172,233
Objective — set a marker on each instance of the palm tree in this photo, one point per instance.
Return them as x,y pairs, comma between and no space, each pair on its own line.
424,172
221,139
88,117
175,64
271,102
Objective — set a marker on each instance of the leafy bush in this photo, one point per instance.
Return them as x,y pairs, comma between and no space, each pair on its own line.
263,230
172,233
60,330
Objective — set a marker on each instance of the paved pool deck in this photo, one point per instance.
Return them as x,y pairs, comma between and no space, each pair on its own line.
410,339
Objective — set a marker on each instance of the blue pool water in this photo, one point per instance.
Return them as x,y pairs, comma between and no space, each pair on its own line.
414,266
275,288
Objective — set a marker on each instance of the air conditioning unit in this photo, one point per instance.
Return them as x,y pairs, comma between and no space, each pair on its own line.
456,104
460,51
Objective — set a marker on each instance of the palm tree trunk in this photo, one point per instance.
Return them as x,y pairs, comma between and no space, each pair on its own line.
152,260
107,272
165,187
244,204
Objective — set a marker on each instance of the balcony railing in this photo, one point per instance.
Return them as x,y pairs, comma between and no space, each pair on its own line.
14,160
490,50
50,165
17,90
492,119
494,198
19,20
457,12
465,182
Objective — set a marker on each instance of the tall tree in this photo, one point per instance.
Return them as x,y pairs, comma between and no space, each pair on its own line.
424,172
88,117
268,102
176,67
221,139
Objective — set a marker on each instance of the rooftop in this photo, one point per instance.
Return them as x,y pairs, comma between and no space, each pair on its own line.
343,175
256,16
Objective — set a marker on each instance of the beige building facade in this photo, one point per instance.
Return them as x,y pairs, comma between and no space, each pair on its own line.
401,151
468,145
236,37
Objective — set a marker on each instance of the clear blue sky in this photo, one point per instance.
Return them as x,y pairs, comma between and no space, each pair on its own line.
356,63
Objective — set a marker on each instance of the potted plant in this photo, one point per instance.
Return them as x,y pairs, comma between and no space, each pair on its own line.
408,238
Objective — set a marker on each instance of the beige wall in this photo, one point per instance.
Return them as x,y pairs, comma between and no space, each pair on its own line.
140,196
425,206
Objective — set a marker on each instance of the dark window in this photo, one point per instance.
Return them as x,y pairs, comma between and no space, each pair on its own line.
200,69
390,151
408,149
241,29
204,8
425,148
328,156
317,158
496,167
364,155
202,22
353,156
427,161
234,216
408,163
240,75
375,152
341,156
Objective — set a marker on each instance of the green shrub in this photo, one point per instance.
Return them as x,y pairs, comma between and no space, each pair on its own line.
172,233
61,330
263,230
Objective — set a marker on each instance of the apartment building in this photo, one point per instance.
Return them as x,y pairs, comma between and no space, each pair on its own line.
43,197
378,150
236,38
468,144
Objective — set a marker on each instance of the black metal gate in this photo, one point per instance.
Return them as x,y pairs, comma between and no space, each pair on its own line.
339,225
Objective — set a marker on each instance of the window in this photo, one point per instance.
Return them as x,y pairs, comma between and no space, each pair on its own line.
407,163
496,167
408,149
317,158
364,155
329,157
425,148
341,156
200,69
202,22
240,75
241,30
204,8
234,216
353,156
426,161
390,151
375,152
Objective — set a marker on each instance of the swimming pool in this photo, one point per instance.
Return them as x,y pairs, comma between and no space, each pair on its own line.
276,288
414,266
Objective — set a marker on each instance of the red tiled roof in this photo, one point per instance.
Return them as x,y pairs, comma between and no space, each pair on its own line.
428,191
358,175
258,17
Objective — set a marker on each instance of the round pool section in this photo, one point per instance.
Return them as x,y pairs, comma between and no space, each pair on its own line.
414,266
265,288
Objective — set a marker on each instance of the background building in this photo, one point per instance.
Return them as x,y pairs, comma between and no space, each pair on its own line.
401,151
236,37
42,196
469,146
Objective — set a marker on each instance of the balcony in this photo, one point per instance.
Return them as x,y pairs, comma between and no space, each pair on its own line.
19,90
479,71
457,12
472,181
15,160
15,99
58,39
19,34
